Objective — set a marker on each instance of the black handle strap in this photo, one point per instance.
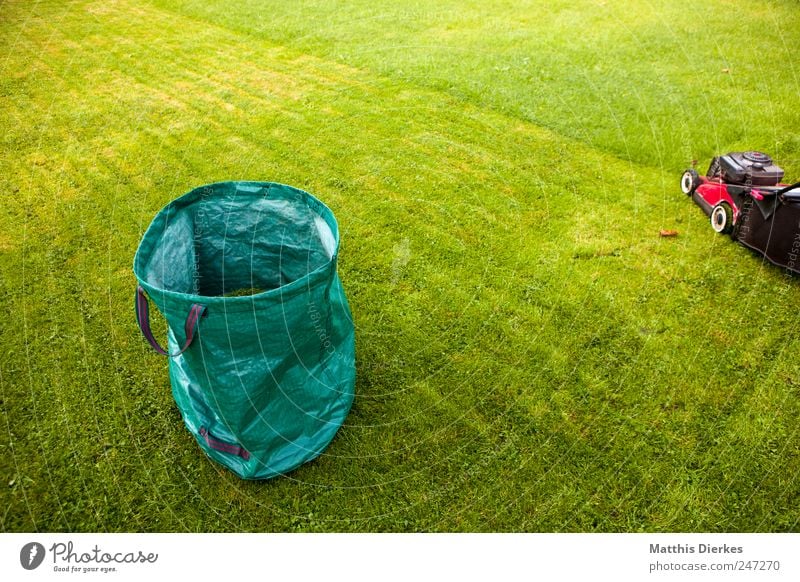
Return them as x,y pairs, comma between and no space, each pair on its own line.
143,318
222,446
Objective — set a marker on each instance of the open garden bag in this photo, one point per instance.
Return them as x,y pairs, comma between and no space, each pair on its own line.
260,337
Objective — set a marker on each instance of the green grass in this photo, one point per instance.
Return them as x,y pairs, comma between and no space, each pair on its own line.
531,354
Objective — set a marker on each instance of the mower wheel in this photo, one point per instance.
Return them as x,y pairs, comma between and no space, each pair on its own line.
690,181
722,218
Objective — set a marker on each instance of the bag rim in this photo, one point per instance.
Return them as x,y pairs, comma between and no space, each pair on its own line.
243,302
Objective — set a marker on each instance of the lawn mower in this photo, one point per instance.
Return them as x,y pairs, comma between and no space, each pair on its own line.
743,196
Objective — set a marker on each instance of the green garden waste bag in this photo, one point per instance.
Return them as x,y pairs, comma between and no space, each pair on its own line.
260,339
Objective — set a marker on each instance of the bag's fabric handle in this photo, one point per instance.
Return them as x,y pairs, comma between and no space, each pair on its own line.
223,446
143,318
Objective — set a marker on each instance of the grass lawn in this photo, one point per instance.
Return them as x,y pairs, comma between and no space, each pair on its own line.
532,356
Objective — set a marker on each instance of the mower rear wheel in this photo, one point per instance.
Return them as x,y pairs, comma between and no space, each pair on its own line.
690,181
722,218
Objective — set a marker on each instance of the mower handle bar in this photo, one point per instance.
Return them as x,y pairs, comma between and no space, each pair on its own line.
783,191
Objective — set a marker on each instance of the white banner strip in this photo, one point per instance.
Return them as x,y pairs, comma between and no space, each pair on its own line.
378,557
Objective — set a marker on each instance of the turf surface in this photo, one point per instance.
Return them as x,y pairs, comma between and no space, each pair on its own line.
531,354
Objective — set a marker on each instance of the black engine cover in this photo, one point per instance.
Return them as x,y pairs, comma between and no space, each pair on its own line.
746,168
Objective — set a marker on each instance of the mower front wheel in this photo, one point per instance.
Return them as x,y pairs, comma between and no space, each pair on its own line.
722,218
690,181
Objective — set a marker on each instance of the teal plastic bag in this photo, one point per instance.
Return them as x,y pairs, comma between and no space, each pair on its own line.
260,337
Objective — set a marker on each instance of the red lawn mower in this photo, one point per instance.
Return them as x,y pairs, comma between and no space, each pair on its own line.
743,195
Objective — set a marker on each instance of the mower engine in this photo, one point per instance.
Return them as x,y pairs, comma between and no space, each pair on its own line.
746,169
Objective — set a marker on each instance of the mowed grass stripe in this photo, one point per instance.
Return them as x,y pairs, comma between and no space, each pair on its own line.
659,82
